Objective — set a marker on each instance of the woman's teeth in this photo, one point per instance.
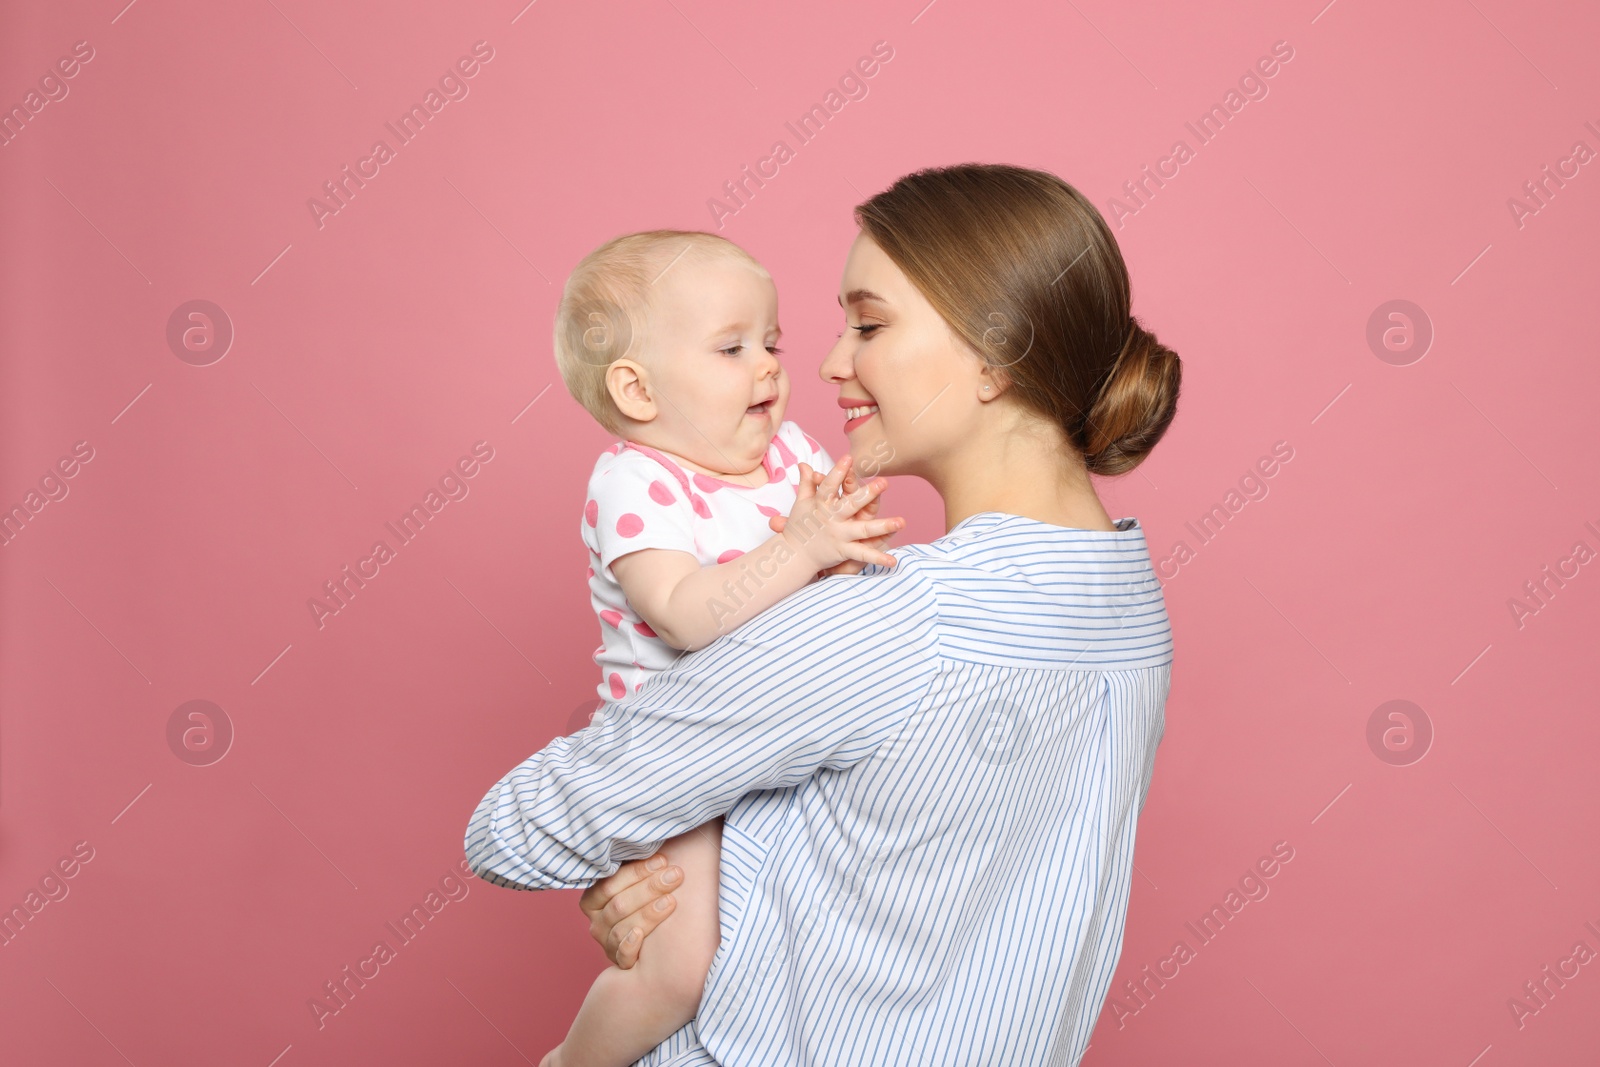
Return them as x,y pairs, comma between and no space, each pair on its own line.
855,413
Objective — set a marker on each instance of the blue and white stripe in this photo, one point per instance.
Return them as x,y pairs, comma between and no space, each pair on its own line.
930,777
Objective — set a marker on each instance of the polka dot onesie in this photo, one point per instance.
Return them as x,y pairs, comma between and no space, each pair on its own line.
640,498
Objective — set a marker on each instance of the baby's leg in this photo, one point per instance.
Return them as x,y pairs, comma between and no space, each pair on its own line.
629,1012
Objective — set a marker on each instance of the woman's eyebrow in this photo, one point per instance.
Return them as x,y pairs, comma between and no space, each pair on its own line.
856,296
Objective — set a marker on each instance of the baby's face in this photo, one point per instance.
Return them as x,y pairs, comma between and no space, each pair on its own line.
713,362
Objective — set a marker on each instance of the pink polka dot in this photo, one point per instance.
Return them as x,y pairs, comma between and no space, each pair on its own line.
636,686
768,512
814,446
707,484
701,508
619,688
629,525
613,616
777,474
731,554
591,572
591,512
661,494
644,628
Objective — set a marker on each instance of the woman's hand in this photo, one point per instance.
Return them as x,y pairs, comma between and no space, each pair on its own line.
624,908
868,511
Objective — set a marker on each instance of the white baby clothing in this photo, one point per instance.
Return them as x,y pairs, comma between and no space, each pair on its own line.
640,498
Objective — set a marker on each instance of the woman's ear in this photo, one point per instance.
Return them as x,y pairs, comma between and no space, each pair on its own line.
629,385
990,384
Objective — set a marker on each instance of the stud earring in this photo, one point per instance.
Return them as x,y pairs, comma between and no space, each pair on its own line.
986,388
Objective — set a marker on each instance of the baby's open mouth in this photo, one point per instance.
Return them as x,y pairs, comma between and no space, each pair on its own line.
759,409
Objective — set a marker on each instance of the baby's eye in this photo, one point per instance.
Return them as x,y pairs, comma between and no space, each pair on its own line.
775,350
731,350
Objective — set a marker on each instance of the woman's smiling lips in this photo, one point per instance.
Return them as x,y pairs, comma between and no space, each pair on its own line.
859,410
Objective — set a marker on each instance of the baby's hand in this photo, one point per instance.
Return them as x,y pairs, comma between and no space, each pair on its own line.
870,510
840,534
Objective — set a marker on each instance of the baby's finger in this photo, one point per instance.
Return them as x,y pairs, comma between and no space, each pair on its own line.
868,491
858,551
851,482
778,522
830,484
862,530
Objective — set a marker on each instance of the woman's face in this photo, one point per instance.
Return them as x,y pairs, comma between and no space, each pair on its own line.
898,356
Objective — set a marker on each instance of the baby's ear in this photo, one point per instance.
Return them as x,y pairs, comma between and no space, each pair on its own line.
626,384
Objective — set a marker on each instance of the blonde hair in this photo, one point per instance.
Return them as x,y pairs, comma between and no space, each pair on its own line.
604,310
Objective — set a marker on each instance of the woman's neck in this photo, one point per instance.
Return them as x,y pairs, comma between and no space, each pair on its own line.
1036,474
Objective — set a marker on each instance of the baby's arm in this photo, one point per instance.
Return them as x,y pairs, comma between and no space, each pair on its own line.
689,606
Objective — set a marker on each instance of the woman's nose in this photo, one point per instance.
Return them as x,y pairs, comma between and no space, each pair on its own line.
836,366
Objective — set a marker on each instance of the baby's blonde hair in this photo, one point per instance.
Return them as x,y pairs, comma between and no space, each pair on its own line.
605,305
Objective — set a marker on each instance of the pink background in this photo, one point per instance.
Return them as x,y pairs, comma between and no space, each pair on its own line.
372,352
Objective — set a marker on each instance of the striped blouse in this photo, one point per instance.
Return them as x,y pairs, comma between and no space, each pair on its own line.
930,776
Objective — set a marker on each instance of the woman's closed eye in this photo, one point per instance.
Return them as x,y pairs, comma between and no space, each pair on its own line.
867,329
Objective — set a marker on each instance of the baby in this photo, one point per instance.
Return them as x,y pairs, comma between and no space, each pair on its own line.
669,339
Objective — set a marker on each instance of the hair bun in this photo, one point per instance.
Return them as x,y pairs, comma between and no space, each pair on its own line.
1134,406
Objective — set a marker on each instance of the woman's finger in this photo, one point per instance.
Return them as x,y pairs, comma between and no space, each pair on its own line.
597,896
621,908
628,936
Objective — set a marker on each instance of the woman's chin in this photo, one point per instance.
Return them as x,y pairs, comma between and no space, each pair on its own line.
872,457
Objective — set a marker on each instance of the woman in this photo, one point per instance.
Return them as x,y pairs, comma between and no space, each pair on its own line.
930,774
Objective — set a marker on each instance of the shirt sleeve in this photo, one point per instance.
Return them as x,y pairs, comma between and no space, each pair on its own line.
819,681
635,503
